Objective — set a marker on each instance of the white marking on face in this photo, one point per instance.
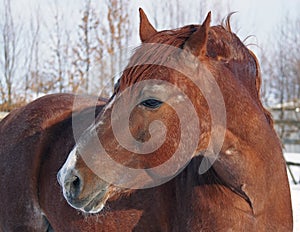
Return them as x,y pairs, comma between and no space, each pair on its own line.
100,122
163,93
230,151
157,91
71,161
180,98
154,88
94,210
107,107
68,165
96,207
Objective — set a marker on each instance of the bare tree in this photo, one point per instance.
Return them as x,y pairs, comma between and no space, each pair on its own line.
57,69
32,75
85,46
9,52
282,72
118,33
282,76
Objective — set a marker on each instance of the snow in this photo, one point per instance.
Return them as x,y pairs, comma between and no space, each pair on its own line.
295,189
295,192
3,115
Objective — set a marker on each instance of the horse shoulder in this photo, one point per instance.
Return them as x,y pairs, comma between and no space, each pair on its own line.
22,136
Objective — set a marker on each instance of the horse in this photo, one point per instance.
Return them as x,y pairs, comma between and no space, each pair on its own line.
184,143
36,140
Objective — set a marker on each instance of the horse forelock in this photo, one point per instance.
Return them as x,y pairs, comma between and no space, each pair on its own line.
222,46
148,59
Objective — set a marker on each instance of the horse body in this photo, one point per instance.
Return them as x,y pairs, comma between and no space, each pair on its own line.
27,137
35,142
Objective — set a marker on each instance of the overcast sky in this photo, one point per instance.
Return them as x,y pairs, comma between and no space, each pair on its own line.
254,17
260,18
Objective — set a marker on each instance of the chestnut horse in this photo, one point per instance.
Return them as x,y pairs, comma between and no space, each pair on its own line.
34,142
184,143
241,191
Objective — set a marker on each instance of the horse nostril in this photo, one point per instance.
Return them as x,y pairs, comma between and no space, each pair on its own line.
76,183
72,185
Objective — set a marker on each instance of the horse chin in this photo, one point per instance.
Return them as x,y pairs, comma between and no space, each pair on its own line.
92,204
94,209
96,204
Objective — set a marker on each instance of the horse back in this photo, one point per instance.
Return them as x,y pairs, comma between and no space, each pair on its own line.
23,143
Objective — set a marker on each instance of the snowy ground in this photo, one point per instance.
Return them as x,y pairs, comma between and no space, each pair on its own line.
295,189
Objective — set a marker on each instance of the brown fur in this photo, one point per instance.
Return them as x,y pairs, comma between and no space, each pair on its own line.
240,192
244,191
31,138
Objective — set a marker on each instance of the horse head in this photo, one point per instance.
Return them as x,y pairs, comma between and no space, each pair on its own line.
186,93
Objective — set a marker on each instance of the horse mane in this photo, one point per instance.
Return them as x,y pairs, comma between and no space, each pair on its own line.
258,80
222,46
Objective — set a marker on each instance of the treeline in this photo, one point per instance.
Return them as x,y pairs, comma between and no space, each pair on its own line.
281,74
280,62
39,57
85,51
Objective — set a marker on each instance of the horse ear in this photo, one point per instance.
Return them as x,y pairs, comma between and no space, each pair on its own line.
197,42
146,29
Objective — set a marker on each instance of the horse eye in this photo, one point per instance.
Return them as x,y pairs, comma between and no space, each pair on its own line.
151,103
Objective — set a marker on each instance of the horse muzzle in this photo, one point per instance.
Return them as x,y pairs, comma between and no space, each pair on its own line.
77,194
81,187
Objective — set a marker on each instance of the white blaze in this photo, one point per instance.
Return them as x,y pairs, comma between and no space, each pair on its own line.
68,165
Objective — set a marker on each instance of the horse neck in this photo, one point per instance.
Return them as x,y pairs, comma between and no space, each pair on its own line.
251,149
256,171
